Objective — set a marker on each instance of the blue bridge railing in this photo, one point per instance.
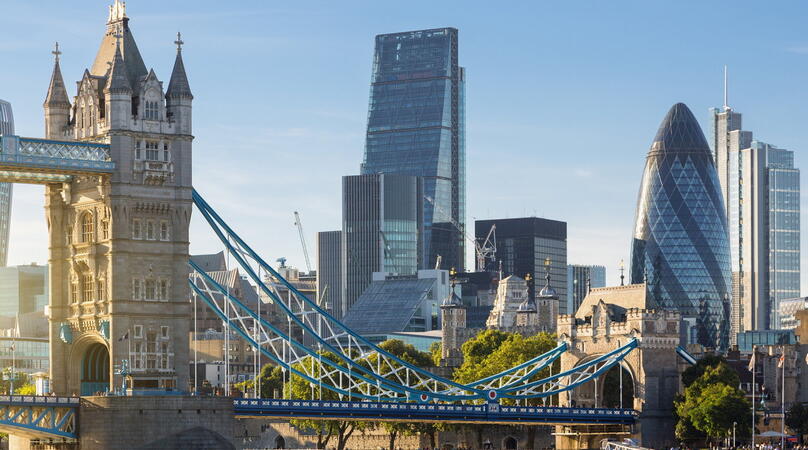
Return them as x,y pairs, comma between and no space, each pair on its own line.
429,412
38,160
39,416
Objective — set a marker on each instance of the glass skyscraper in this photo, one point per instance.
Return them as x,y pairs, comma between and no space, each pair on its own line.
761,188
680,244
6,127
523,247
416,126
579,279
382,228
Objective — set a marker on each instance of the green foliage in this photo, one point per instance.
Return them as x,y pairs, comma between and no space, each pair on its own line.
712,403
492,351
797,418
719,406
27,389
271,378
692,373
436,350
20,379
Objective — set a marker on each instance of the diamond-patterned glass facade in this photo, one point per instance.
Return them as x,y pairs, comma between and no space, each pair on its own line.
680,243
416,127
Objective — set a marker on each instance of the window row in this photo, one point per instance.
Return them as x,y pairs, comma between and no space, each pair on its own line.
87,228
150,230
137,333
151,110
150,289
152,151
85,289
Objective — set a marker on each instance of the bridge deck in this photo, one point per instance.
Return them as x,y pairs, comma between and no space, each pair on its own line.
429,412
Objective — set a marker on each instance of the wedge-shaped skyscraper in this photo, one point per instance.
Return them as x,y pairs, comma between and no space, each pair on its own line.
680,245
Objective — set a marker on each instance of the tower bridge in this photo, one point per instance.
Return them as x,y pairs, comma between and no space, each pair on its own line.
116,163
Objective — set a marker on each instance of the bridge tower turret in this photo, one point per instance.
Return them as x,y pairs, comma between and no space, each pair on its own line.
57,105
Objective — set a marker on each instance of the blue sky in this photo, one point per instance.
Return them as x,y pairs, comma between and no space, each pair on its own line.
563,99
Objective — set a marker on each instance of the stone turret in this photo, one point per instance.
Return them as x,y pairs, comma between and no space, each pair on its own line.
178,95
118,93
57,104
453,326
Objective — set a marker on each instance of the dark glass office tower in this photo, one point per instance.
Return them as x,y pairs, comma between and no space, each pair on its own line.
681,245
382,226
416,126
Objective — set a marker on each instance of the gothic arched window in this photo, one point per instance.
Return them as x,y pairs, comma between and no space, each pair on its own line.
87,227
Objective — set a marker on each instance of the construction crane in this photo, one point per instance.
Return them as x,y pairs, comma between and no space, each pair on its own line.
299,226
488,249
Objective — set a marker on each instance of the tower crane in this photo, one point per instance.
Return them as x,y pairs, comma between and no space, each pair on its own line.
486,250
299,226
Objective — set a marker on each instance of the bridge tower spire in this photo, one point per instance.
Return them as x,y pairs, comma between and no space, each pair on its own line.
57,105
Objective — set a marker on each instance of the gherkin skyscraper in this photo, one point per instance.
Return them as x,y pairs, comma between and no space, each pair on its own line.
680,245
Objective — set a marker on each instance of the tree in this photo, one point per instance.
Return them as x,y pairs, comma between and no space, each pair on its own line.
797,419
694,372
493,351
27,389
271,378
300,388
436,350
711,404
718,407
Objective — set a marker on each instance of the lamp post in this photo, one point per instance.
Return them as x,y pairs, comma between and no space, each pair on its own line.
733,433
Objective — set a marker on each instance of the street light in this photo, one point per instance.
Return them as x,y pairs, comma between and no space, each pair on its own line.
734,424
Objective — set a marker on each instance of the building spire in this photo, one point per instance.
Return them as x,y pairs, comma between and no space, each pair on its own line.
178,84
117,80
726,100
57,94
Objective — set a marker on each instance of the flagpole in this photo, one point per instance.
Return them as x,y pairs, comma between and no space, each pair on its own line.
754,386
783,400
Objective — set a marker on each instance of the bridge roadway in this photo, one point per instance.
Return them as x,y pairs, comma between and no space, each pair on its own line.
36,416
491,413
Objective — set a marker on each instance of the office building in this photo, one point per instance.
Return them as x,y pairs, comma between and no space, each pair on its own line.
23,289
6,127
680,246
329,271
761,190
788,312
416,126
524,245
382,226
580,278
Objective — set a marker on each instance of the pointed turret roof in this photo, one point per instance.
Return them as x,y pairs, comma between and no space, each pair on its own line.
118,26
178,85
679,132
117,81
57,93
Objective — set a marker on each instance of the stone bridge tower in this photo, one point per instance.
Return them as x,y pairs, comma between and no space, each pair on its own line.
119,243
650,375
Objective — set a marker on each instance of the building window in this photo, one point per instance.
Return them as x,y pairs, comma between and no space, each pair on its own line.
152,110
151,290
150,230
163,230
164,290
87,227
74,292
137,231
101,297
164,332
138,332
89,287
152,152
105,229
138,347
165,152
137,363
137,289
